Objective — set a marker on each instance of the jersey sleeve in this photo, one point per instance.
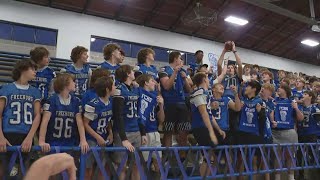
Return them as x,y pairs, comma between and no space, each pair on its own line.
117,93
63,70
37,94
163,73
199,100
49,105
78,106
89,112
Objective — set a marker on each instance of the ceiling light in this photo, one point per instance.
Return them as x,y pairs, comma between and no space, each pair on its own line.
93,39
310,42
236,20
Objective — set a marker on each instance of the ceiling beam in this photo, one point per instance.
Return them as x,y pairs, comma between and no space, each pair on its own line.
177,20
86,5
279,10
274,32
225,3
122,6
153,12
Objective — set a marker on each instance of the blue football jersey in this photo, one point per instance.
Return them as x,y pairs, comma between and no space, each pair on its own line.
284,113
176,93
99,114
112,68
229,81
62,126
222,113
199,97
43,81
18,113
130,109
87,96
249,116
151,70
309,125
269,109
147,110
297,95
82,77
194,66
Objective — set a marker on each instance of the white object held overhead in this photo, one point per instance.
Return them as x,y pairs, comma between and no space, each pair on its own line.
236,20
310,42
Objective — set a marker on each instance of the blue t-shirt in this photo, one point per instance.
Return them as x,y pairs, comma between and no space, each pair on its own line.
81,78
18,113
99,114
284,113
297,95
309,125
199,97
151,70
249,121
43,81
194,67
229,81
62,125
112,68
87,96
221,114
147,110
175,95
130,109
269,108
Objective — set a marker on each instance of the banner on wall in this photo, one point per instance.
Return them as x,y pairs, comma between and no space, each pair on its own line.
213,62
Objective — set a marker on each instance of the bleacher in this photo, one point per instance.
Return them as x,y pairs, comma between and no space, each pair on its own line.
8,60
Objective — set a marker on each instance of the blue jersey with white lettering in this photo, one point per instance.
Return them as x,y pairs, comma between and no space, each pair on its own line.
112,68
62,126
297,95
130,109
269,108
151,70
249,121
176,94
222,113
81,77
194,67
18,113
197,121
229,81
99,114
87,96
43,81
147,110
284,113
309,125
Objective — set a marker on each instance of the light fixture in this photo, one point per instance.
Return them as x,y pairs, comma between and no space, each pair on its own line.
236,20
93,39
310,42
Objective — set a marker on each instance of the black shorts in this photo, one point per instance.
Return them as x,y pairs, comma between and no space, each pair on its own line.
244,138
228,140
308,138
202,137
176,118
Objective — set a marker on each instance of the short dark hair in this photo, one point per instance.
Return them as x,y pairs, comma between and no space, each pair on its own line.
38,53
77,52
143,78
122,52
287,89
143,53
199,51
255,85
98,73
173,55
21,66
108,50
256,66
62,81
198,78
312,94
101,84
122,72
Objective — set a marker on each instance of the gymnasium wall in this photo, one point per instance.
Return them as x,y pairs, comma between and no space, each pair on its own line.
76,29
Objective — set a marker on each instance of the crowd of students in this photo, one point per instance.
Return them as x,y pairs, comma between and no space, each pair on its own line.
120,105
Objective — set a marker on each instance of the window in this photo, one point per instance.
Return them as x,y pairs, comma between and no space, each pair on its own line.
5,31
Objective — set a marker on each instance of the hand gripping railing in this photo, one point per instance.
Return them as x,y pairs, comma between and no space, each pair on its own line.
225,160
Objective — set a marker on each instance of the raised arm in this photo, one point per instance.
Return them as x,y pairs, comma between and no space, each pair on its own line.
238,60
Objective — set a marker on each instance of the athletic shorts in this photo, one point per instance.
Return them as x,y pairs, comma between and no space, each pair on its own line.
133,137
228,140
202,137
284,136
177,118
153,141
244,138
312,138
90,159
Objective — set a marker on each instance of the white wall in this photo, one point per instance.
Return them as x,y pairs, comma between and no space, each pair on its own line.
76,29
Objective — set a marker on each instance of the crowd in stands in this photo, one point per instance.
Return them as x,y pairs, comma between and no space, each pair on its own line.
120,105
